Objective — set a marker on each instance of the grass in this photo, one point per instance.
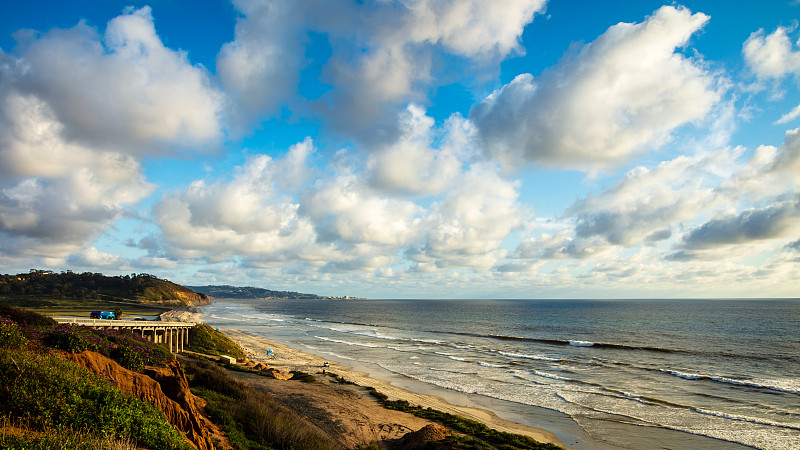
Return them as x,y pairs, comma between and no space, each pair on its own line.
205,339
13,436
251,419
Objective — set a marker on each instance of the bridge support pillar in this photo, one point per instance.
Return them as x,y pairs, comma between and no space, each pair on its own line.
181,332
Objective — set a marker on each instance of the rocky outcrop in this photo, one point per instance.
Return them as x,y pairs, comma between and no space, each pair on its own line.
164,387
190,298
273,372
420,438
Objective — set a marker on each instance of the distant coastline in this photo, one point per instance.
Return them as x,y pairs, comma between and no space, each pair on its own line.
250,292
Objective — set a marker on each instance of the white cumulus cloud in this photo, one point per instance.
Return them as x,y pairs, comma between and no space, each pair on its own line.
780,219
472,28
467,226
771,55
344,208
124,91
424,160
383,54
646,204
77,111
57,196
259,68
249,214
624,92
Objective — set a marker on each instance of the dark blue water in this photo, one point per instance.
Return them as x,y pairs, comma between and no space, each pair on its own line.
728,370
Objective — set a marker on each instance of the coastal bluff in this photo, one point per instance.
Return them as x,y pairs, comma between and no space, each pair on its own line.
164,387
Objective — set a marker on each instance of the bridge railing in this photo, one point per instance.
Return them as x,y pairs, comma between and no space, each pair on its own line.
105,323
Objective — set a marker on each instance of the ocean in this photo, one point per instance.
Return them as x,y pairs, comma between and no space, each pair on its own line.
630,374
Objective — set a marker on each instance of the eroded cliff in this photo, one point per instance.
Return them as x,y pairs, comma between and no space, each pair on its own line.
164,387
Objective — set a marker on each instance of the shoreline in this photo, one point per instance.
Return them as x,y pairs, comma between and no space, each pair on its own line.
580,432
288,358
561,429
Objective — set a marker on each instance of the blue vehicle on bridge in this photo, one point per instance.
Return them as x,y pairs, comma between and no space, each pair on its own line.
102,315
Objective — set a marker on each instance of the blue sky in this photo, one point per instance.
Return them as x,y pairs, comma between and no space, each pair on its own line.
407,149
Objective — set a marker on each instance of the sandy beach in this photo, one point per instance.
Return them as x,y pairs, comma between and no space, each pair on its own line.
350,411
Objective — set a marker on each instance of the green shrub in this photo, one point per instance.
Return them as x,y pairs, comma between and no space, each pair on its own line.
128,358
11,336
207,340
302,376
73,338
382,398
341,380
128,349
25,317
47,392
152,354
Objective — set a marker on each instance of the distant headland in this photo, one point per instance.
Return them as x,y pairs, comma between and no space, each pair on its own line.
250,292
49,288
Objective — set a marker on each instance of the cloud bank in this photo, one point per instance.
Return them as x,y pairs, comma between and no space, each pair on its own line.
77,111
385,197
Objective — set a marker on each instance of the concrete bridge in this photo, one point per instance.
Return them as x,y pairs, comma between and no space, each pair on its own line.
173,334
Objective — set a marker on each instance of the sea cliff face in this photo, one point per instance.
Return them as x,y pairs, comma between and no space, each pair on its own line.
164,387
181,297
194,298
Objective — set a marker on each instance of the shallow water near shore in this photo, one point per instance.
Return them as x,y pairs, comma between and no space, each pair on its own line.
632,374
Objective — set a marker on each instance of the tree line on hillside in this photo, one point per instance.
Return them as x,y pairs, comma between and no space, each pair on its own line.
87,285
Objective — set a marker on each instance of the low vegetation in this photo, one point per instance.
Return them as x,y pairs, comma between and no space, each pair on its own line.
121,345
205,339
478,434
303,377
46,392
249,418
46,399
15,437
